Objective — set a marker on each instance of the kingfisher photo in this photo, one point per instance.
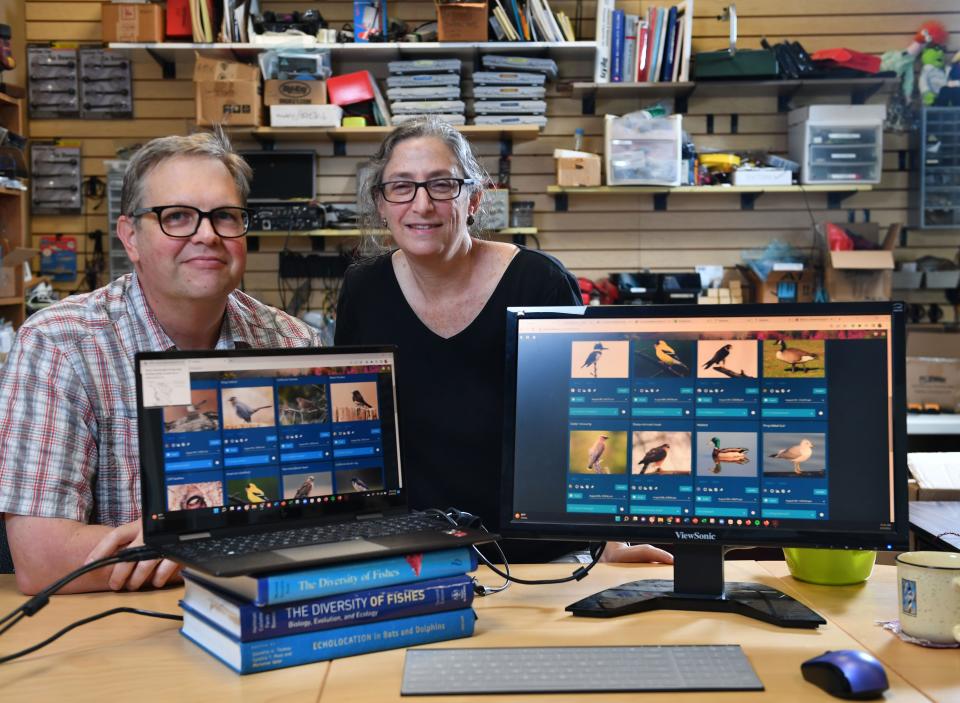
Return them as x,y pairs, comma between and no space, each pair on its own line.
600,359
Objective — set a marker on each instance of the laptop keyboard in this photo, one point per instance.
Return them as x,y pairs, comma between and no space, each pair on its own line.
315,534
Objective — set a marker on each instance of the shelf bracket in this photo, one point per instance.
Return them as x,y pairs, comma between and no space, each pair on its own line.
589,103
169,68
560,202
506,146
265,142
339,147
734,123
680,104
835,199
860,95
783,100
520,240
710,123
660,201
748,199
253,243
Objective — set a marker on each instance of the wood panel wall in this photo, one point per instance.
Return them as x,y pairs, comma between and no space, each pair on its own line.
598,234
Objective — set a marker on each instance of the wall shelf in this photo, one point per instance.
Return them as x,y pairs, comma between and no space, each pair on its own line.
933,424
748,194
341,135
166,53
859,90
317,235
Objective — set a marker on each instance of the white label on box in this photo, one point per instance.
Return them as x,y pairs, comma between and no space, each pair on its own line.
305,115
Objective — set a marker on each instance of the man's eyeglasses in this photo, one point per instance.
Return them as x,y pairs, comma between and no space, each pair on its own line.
182,221
437,189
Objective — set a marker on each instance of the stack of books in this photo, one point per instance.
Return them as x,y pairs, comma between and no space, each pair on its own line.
510,90
258,623
651,47
426,87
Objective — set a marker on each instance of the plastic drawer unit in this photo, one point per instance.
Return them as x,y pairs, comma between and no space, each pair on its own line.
643,151
838,143
936,181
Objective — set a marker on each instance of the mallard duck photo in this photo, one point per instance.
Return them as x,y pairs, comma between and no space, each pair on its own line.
727,455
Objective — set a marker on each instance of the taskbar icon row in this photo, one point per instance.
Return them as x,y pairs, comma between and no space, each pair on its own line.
699,521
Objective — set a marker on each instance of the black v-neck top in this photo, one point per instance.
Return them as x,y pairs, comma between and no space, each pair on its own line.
451,391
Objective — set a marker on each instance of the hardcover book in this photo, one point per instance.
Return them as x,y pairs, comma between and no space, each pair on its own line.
246,622
291,586
309,647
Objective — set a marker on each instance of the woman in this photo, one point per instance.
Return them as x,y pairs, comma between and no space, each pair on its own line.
441,297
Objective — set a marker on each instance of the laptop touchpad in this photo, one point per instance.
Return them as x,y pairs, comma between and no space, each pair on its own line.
330,550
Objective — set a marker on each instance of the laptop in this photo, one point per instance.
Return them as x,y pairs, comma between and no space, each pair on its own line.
256,461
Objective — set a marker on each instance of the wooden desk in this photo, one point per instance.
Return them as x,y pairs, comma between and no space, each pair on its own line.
129,657
928,519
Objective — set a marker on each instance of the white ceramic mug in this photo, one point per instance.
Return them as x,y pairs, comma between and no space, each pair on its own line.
929,590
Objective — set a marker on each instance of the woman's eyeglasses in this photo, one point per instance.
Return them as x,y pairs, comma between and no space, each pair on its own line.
182,221
437,189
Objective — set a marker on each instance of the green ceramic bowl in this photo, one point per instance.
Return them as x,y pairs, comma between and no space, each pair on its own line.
830,567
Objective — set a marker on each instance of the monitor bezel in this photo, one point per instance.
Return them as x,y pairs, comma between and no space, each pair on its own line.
178,523
303,153
896,538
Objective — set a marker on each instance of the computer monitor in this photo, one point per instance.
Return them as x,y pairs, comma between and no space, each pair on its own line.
282,175
707,428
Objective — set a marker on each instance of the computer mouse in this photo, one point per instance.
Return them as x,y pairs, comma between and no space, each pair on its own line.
847,673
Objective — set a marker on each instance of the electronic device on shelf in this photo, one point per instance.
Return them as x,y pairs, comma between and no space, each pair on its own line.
290,216
283,191
707,428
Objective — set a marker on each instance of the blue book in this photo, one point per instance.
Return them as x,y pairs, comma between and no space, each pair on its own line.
291,586
616,49
246,622
309,647
666,73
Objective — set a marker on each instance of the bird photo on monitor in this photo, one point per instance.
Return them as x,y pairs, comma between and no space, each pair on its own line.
727,455
596,453
654,458
359,484
254,494
668,357
719,357
797,454
244,411
359,401
593,358
305,488
793,356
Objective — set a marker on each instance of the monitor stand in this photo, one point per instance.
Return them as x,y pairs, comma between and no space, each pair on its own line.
698,585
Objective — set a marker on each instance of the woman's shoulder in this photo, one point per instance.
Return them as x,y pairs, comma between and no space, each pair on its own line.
370,266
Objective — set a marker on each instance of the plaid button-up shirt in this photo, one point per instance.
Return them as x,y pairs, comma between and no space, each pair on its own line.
68,406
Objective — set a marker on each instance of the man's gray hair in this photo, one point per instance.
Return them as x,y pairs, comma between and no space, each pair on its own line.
213,145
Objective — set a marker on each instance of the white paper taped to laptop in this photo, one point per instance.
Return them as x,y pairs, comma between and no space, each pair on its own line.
165,382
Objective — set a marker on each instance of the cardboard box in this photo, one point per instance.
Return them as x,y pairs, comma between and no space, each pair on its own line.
305,115
10,269
294,92
230,103
577,168
852,276
804,282
227,92
461,21
933,368
132,22
207,69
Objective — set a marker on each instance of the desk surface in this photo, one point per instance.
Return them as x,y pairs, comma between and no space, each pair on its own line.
935,518
126,655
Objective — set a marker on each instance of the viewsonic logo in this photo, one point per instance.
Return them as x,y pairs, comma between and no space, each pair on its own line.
695,535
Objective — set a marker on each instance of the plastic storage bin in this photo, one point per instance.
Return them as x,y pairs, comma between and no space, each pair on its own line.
642,151
838,143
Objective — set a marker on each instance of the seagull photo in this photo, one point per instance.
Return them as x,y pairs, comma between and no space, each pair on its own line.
794,454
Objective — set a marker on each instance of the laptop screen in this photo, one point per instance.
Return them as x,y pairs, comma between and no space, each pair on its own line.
257,437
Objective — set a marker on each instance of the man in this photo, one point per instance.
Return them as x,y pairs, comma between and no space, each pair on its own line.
69,464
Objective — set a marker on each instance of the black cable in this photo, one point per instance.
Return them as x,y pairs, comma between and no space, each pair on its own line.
32,606
84,621
466,519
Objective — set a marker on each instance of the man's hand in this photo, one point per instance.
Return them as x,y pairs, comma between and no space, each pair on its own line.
128,574
623,552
